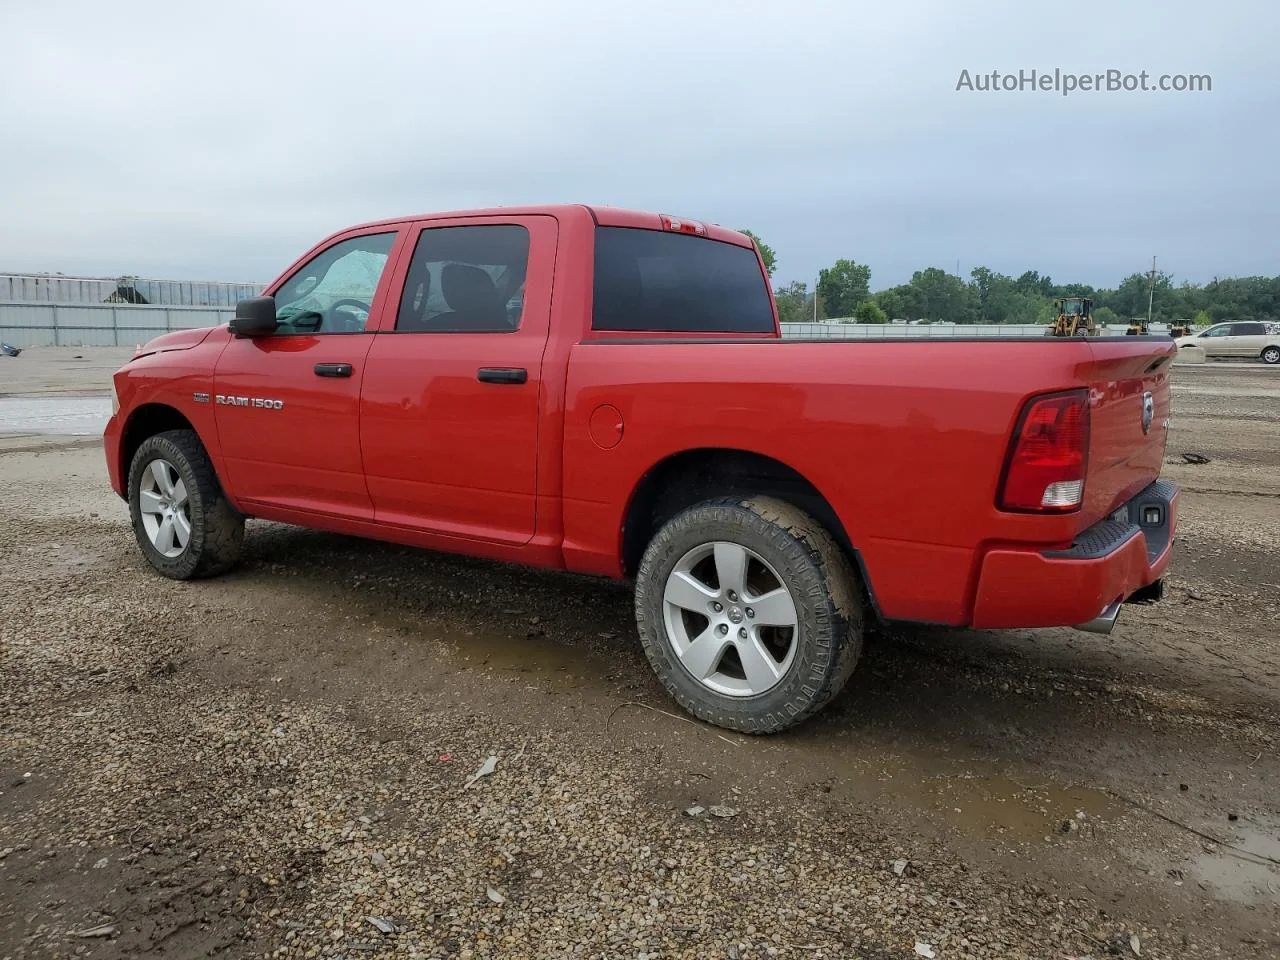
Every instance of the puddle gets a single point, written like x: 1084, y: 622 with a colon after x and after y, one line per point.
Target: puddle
x: 514, y: 654
x: 996, y: 805
x: 64, y: 416
x: 528, y: 652
x: 969, y: 795
x: 1237, y: 873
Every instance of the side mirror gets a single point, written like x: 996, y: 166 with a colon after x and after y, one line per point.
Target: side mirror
x: 255, y: 317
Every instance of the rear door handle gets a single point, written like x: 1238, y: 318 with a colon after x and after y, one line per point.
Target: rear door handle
x: 502, y: 375
x: 333, y: 369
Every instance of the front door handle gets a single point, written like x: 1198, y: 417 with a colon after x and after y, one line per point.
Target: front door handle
x: 502, y: 375
x: 333, y: 369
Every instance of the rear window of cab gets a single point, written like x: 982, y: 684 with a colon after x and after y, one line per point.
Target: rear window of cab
x: 658, y: 281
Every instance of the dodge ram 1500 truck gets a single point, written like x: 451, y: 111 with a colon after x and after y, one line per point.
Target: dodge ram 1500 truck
x: 607, y: 392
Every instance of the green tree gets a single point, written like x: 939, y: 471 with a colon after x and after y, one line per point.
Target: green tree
x: 1105, y: 315
x: 890, y: 301
x: 795, y: 305
x: 1129, y: 299
x: 843, y: 286
x: 946, y: 296
x: 766, y: 252
x: 868, y: 311
x: 982, y: 280
x: 1032, y: 283
x: 903, y: 302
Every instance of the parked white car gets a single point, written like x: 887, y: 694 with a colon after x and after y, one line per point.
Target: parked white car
x: 1242, y: 339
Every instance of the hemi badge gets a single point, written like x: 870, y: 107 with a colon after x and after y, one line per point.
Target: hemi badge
x: 200, y: 397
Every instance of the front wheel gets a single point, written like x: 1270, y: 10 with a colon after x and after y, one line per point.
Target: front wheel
x: 1271, y: 355
x: 181, y: 518
x: 749, y: 613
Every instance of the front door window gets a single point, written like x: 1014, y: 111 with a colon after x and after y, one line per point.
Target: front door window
x: 333, y: 291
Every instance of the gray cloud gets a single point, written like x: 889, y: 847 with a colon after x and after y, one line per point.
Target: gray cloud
x: 220, y: 142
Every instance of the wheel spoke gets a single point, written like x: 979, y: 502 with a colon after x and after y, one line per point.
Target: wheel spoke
x: 774, y: 609
x: 148, y: 501
x: 688, y: 593
x: 179, y: 493
x: 731, y: 567
x: 758, y: 664
x: 702, y: 656
x: 182, y: 527
x: 160, y: 471
x: 164, y: 536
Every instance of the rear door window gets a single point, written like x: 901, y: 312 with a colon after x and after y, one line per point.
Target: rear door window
x: 652, y: 280
x: 466, y: 280
x: 1248, y: 330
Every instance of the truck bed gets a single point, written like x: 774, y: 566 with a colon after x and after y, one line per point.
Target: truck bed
x: 906, y: 439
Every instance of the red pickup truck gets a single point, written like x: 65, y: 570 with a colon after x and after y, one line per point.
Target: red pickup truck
x: 607, y: 392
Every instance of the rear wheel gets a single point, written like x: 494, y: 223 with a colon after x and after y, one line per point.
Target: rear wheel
x: 1271, y: 355
x: 181, y: 518
x: 749, y: 613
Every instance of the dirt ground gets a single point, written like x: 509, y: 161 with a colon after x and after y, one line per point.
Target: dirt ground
x: 276, y: 762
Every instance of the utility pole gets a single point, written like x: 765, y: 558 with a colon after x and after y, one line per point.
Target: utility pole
x: 1151, y: 290
x: 815, y: 302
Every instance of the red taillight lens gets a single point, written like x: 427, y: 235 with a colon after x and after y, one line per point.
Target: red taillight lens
x: 675, y: 225
x: 1049, y: 455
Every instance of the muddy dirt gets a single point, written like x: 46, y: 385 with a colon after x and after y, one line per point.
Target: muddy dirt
x: 276, y: 762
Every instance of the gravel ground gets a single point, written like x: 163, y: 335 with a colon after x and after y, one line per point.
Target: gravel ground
x: 279, y: 762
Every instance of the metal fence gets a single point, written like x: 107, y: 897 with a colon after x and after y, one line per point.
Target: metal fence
x: 123, y: 324
x: 54, y: 288
x: 836, y: 330
x: 98, y: 324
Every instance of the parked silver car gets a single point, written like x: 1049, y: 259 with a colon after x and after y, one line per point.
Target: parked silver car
x: 1242, y: 338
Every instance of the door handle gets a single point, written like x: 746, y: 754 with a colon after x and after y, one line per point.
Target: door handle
x: 333, y: 369
x: 502, y: 375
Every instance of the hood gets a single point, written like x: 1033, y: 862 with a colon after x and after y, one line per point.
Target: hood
x: 177, y: 340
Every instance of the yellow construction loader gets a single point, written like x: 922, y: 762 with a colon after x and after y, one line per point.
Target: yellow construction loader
x: 1075, y: 318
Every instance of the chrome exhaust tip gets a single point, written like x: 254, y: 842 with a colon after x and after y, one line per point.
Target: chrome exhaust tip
x: 1104, y: 622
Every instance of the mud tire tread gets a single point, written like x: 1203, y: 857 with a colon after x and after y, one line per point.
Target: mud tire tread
x: 823, y: 583
x: 217, y: 528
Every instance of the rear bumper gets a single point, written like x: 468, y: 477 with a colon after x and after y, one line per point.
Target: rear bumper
x: 1083, y: 586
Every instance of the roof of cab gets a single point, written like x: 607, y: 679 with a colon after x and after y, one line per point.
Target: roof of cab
x: 603, y: 216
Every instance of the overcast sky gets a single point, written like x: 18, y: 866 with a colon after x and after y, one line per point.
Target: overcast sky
x: 219, y: 141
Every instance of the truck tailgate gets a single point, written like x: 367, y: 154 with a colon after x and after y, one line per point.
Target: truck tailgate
x: 1128, y: 382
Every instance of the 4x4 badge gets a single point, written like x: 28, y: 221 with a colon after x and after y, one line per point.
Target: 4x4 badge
x: 1148, y: 410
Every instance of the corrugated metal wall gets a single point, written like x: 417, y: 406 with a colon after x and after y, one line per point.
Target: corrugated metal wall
x: 43, y: 288
x: 99, y: 324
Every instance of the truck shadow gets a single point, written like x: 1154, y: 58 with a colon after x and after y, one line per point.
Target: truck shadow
x: 1017, y: 694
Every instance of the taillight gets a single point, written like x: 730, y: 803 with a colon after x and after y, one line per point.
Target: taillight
x: 1049, y: 455
x: 674, y: 225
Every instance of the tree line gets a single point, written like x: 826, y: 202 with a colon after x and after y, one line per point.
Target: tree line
x: 844, y: 292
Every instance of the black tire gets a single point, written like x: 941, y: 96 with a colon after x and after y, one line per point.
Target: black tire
x: 1271, y: 355
x: 823, y: 587
x: 217, y: 528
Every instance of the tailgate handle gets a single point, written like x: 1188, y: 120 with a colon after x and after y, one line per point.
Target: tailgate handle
x: 502, y: 374
x: 333, y: 369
